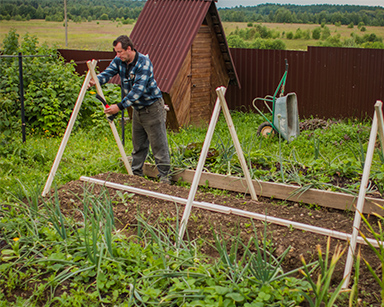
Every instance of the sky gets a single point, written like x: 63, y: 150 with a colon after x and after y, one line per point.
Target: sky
x: 233, y: 3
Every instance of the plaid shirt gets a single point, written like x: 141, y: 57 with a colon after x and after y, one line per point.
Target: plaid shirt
x: 137, y: 80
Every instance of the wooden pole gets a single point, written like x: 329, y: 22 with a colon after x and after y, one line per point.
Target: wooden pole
x: 66, y: 23
x: 228, y: 210
x: 199, y: 169
x: 91, y: 66
x: 220, y: 93
x: 220, y: 103
x: 67, y: 133
x: 360, y: 201
x: 379, y: 113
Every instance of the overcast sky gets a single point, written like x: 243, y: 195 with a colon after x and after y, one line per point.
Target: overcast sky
x: 233, y: 3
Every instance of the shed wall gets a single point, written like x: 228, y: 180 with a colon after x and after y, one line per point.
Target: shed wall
x: 180, y: 96
x: 201, y: 109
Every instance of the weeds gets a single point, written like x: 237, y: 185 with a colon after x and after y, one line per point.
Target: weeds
x: 379, y: 252
x: 97, y: 265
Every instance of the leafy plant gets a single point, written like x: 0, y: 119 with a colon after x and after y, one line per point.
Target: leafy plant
x: 51, y: 88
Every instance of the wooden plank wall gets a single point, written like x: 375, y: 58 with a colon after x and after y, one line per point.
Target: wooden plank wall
x: 201, y: 77
x: 179, y: 98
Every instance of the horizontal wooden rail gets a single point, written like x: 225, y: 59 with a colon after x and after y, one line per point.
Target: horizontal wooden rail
x: 335, y: 200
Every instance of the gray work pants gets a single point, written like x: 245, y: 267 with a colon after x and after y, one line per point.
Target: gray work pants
x: 148, y: 128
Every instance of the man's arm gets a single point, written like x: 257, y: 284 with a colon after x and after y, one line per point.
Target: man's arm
x: 107, y: 74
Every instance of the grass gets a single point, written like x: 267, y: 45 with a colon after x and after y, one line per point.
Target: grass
x: 98, y: 35
x: 94, y: 35
x: 86, y: 153
x: 316, y: 158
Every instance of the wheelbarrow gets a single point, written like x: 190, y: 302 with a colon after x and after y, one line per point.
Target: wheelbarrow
x: 285, y: 115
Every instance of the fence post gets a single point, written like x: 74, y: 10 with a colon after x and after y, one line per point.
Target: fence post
x: 22, y: 95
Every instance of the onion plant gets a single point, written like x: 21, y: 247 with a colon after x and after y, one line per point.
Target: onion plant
x: 321, y: 289
x: 379, y: 251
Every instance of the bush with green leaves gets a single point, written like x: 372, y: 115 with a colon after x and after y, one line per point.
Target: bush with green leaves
x: 51, y: 88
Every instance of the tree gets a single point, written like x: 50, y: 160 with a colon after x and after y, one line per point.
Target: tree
x: 104, y: 17
x: 235, y: 41
x: 316, y: 33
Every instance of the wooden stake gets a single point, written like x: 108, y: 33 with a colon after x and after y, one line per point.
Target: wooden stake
x: 67, y: 133
x: 220, y: 102
x: 379, y: 112
x: 360, y: 200
x: 91, y: 66
x: 199, y: 169
x: 220, y: 93
x: 91, y: 74
x: 228, y: 210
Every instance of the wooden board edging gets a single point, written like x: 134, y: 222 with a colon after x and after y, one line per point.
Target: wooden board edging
x: 335, y: 200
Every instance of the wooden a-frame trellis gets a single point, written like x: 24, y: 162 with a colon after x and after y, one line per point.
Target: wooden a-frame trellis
x: 91, y: 74
x: 377, y: 126
x: 220, y: 104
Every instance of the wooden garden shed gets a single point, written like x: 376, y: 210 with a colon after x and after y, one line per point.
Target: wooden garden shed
x: 186, y: 43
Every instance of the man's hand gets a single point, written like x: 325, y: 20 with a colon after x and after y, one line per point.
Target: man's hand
x: 113, y: 109
x: 91, y: 83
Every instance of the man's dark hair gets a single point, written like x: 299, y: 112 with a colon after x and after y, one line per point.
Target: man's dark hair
x: 125, y: 42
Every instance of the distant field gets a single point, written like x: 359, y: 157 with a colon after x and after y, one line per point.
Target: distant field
x: 94, y: 35
x: 301, y: 44
x: 98, y: 35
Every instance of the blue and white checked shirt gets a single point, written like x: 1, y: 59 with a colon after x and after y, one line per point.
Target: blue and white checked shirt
x: 139, y: 85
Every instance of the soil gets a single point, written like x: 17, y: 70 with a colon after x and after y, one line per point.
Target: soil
x: 202, y: 221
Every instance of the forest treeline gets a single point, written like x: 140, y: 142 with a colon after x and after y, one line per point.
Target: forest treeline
x: 82, y: 10
x: 306, y: 14
x: 77, y: 10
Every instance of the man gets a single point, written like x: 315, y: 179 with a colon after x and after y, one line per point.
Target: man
x: 142, y: 93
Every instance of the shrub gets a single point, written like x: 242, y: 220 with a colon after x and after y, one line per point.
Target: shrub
x: 361, y: 24
x: 298, y: 34
x: 104, y: 17
x: 290, y: 35
x: 51, y: 88
x: 326, y: 33
x: 316, y: 33
x: 234, y: 41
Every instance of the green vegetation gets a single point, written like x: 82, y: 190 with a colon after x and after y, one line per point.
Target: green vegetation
x: 260, y: 36
x: 49, y: 87
x: 306, y: 14
x: 330, y: 156
x: 327, y: 156
x: 57, y: 260
x: 84, y: 10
